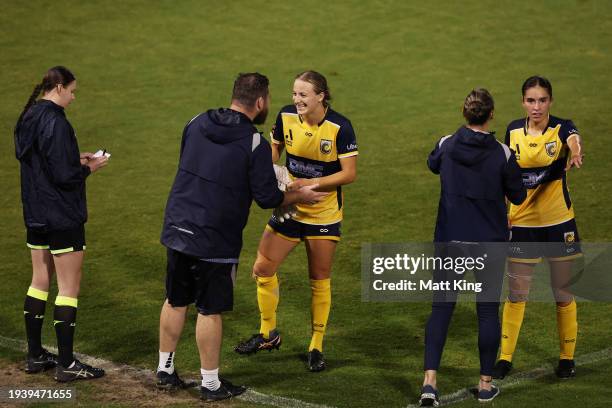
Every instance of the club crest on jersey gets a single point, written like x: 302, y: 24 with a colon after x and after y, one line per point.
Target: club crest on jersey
x: 551, y: 148
x: 326, y: 146
x: 569, y: 237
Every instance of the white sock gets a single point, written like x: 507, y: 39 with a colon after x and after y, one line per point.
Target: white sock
x: 166, y: 362
x: 210, y: 379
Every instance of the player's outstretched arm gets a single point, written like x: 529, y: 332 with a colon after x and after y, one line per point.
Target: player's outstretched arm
x: 576, y: 154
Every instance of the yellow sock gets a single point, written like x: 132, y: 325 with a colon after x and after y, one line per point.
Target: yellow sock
x: 511, y: 327
x: 321, y: 303
x: 267, y: 298
x: 567, y: 324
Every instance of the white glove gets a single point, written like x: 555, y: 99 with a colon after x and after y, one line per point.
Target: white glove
x: 284, y: 179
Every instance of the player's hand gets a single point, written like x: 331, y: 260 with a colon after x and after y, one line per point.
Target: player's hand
x: 299, y: 183
x: 85, y: 157
x: 308, y: 195
x: 574, y: 161
x: 96, y: 163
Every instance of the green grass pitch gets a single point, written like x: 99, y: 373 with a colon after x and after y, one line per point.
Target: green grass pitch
x: 399, y: 70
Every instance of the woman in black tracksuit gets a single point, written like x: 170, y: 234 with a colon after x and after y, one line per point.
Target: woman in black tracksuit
x: 53, y: 174
x: 477, y: 174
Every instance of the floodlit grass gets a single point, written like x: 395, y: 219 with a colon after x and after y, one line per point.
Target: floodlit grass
x: 399, y: 70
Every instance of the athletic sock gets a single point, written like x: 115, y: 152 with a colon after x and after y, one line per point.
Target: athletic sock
x: 210, y: 379
x: 267, y: 299
x: 34, y: 314
x: 511, y: 327
x: 320, y: 305
x: 567, y: 324
x: 166, y: 362
x: 64, y: 320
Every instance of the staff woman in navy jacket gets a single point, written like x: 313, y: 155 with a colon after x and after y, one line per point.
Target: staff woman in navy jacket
x: 477, y: 174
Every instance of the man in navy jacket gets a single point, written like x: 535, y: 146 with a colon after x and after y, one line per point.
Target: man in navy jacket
x: 225, y: 164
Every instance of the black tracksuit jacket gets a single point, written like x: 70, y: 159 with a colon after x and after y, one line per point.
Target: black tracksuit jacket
x: 476, y: 173
x: 224, y: 164
x: 52, y: 177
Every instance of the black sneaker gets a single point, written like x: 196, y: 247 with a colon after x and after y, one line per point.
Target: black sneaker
x: 225, y: 391
x: 316, y: 362
x: 429, y: 397
x: 257, y: 342
x: 501, y: 369
x: 78, y: 371
x: 45, y: 361
x: 488, y: 395
x: 172, y: 381
x: 566, y: 369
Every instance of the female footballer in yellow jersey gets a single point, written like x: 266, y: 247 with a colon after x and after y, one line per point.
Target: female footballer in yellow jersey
x: 546, y: 148
x: 321, y: 149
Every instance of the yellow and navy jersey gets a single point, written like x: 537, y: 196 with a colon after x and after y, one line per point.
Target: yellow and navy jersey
x: 313, y: 152
x: 542, y: 160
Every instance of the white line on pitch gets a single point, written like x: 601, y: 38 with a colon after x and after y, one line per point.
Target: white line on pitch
x: 249, y: 396
x: 520, y: 378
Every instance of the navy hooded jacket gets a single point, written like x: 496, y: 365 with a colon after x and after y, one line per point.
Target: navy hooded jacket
x: 476, y: 173
x: 52, y: 177
x: 224, y: 164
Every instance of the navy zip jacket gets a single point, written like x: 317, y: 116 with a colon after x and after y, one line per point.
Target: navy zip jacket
x: 52, y: 177
x: 476, y: 173
x: 224, y: 164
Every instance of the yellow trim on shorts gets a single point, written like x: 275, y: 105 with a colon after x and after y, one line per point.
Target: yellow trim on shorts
x: 38, y: 294
x: 66, y: 301
x: 37, y: 246
x: 526, y: 260
x: 62, y: 251
x: 328, y: 237
x: 566, y: 258
x: 275, y: 232
x: 66, y: 250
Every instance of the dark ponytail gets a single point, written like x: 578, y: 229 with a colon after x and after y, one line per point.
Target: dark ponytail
x: 31, y: 101
x: 58, y: 75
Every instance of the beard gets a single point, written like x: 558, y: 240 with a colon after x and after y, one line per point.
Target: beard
x: 260, y: 119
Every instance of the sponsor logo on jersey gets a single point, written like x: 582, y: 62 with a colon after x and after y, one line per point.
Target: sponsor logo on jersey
x: 535, y: 178
x: 351, y: 146
x: 533, y: 145
x: 569, y: 237
x: 308, y: 134
x: 297, y: 167
x: 551, y: 148
x: 326, y: 146
x: 323, y: 230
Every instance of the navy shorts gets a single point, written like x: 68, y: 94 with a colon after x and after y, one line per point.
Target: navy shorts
x: 296, y: 231
x: 559, y: 242
x: 209, y: 285
x: 58, y: 242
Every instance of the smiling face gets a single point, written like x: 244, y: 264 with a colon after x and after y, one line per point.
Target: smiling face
x: 536, y: 103
x: 65, y: 94
x: 305, y: 99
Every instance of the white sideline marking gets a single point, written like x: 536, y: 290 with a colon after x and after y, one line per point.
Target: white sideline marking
x: 250, y: 395
x: 519, y: 378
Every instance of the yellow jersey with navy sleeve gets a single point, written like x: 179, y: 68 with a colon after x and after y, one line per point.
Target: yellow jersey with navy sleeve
x: 542, y: 160
x: 315, y: 151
